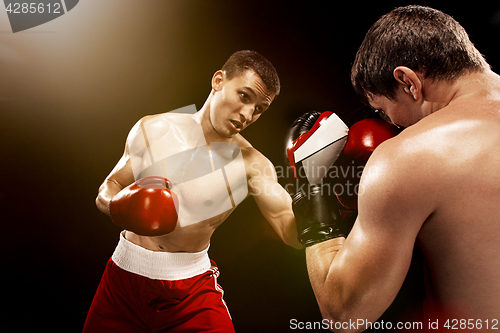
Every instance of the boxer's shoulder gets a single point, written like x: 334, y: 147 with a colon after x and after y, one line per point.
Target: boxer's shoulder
x: 256, y: 163
x: 252, y: 155
x: 150, y: 117
x: 241, y: 141
x: 408, y: 162
x: 455, y: 135
x: 437, y: 149
x: 247, y: 150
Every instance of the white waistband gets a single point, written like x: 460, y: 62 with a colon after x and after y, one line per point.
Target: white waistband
x: 159, y: 265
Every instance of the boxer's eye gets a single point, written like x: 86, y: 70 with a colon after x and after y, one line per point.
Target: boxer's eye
x: 383, y: 115
x: 244, y: 97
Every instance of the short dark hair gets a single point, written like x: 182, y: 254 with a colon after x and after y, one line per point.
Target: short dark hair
x: 242, y: 61
x: 420, y: 38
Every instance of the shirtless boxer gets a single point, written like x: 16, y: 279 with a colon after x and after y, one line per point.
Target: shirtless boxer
x: 436, y: 184
x: 162, y: 280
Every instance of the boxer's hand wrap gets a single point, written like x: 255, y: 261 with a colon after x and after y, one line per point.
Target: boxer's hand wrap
x: 317, y: 216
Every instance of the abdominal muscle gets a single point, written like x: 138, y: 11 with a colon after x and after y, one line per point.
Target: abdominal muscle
x: 191, y: 238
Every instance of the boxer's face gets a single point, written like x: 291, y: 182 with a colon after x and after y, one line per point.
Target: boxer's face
x: 400, y: 111
x: 238, y: 102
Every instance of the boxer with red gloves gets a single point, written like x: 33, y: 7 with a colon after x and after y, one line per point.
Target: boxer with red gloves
x: 160, y: 277
x: 316, y: 142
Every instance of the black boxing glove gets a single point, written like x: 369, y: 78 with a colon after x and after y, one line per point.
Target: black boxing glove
x: 317, y: 216
x: 315, y: 141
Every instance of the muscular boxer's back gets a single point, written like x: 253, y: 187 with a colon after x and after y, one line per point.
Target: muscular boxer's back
x: 460, y: 238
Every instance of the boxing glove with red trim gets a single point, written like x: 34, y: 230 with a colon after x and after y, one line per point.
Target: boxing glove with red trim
x: 146, y: 207
x: 315, y: 142
x: 364, y: 136
x: 325, y: 210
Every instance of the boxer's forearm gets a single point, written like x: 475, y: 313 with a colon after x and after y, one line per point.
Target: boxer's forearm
x: 120, y: 177
x: 285, y: 227
x: 320, y: 265
x: 280, y: 215
x: 290, y: 237
x: 276, y: 206
x: 107, y: 190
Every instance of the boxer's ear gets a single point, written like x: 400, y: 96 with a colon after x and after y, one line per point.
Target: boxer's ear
x: 218, y: 79
x: 409, y: 81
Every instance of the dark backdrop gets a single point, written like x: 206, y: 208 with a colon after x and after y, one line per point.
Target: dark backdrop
x: 71, y: 89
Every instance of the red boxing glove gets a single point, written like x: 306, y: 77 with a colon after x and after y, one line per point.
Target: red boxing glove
x: 364, y: 136
x: 146, y: 207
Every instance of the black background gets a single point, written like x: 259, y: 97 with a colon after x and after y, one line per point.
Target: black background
x: 71, y: 89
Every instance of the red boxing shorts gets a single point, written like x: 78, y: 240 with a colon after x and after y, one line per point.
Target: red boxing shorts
x: 150, y: 291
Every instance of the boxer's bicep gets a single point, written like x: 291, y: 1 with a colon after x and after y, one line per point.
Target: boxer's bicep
x: 366, y: 273
x: 120, y: 176
x: 393, y: 203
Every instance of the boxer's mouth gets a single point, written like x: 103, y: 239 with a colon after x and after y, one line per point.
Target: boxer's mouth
x: 237, y: 124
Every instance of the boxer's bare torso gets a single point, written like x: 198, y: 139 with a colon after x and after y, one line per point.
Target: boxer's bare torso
x: 262, y: 185
x: 196, y: 237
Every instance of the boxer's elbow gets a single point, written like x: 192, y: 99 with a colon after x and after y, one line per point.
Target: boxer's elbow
x: 340, y: 313
x: 290, y: 236
x: 102, y: 204
x: 102, y: 199
x: 293, y: 242
x: 340, y: 322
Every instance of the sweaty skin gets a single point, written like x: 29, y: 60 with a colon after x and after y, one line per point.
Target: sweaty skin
x: 231, y: 107
x: 436, y: 184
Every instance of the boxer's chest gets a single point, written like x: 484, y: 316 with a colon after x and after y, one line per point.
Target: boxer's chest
x: 209, y: 179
